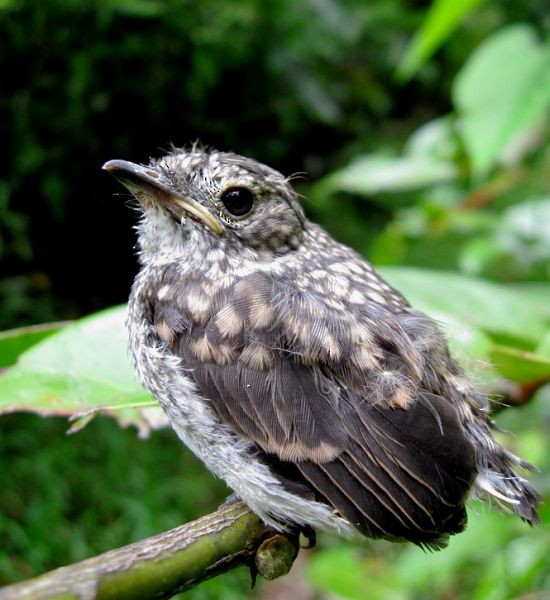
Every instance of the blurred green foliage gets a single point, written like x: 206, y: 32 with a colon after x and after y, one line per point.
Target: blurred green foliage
x: 304, y: 86
x: 424, y: 133
x: 63, y: 499
x: 470, y: 188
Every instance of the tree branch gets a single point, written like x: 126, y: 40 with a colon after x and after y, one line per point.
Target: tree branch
x: 168, y: 563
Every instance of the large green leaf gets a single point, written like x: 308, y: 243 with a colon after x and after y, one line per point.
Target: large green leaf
x: 486, y: 323
x: 495, y: 309
x: 84, y: 366
x: 16, y: 341
x: 520, y: 365
x: 373, y: 174
x: 535, y: 293
x: 502, y: 92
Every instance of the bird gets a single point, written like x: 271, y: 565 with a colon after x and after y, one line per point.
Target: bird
x: 293, y: 370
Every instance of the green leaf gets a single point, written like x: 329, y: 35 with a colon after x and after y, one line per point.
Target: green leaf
x: 502, y: 92
x: 477, y: 253
x: 494, y: 309
x: 373, y: 174
x: 543, y: 349
x: 436, y: 138
x: 536, y: 294
x: 524, y: 230
x: 442, y: 18
x: 83, y: 367
x: 14, y: 341
x: 520, y: 365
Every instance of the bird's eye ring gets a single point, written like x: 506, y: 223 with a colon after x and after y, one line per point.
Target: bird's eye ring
x: 238, y: 201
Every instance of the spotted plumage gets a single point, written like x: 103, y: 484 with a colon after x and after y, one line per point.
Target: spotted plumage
x: 293, y: 370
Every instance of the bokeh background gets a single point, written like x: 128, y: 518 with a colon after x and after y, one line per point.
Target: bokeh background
x: 423, y: 132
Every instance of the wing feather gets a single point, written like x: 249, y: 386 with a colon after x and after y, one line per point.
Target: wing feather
x: 340, y: 412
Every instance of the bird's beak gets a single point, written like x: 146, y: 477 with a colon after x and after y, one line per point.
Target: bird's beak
x: 145, y: 183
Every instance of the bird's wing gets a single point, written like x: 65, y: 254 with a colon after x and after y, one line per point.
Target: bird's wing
x: 350, y: 421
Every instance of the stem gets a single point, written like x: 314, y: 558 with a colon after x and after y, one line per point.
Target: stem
x: 168, y: 563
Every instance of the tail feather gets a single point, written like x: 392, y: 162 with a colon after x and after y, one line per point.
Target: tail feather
x: 512, y: 493
x: 497, y: 478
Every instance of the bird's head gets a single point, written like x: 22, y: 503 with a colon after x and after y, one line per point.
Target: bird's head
x: 199, y: 200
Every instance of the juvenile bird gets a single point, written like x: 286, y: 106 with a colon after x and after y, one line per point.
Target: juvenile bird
x: 293, y: 370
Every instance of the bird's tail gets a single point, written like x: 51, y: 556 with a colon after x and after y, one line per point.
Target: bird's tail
x: 497, y: 481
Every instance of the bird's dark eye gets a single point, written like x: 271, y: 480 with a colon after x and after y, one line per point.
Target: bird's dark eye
x: 238, y: 201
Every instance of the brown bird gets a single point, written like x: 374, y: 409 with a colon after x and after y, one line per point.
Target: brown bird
x: 293, y: 370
